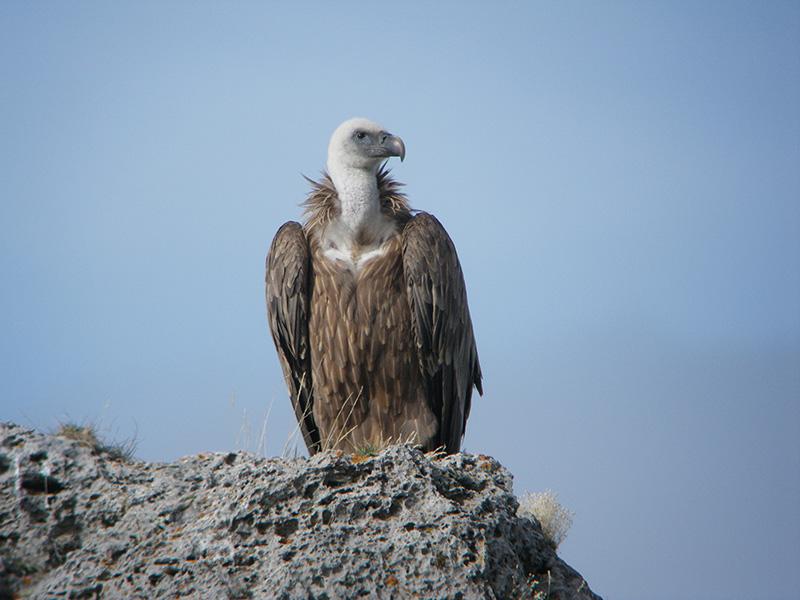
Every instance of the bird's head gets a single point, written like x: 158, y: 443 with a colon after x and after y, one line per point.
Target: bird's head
x: 362, y: 144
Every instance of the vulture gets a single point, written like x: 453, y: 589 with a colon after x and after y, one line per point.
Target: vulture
x: 368, y: 310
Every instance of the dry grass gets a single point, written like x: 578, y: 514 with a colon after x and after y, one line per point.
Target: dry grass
x: 548, y: 511
x: 87, y: 435
x: 339, y: 433
x: 339, y: 437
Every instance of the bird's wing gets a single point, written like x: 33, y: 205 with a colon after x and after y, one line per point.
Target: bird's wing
x: 287, y: 279
x: 442, y: 325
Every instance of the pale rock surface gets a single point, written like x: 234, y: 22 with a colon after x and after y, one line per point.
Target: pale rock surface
x: 75, y: 523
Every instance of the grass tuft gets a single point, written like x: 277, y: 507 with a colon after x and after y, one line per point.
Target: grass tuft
x: 86, y: 435
x: 554, y: 519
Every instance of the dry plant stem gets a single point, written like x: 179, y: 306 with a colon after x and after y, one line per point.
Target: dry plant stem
x: 296, y: 429
x: 262, y: 438
x: 342, y: 435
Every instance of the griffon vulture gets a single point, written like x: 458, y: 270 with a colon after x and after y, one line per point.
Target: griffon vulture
x: 368, y: 309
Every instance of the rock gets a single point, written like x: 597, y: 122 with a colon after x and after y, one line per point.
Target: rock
x: 78, y: 523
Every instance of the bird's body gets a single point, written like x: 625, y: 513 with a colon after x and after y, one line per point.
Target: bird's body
x: 368, y: 311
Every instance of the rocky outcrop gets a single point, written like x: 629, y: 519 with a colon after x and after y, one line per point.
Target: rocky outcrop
x: 76, y: 522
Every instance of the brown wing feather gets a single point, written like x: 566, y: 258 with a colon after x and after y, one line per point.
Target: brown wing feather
x: 442, y: 325
x: 287, y: 291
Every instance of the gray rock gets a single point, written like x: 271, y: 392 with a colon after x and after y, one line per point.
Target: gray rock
x: 77, y: 523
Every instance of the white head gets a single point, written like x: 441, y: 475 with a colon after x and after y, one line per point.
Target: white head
x: 355, y: 153
x: 362, y: 144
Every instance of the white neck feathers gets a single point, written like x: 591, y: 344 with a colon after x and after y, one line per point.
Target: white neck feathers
x: 357, y: 189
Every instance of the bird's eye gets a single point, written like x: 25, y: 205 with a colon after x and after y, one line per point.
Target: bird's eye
x: 361, y: 135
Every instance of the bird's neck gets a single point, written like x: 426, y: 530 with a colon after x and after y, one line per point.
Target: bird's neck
x: 359, y: 199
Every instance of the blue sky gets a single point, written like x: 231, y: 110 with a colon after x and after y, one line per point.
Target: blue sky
x: 621, y: 180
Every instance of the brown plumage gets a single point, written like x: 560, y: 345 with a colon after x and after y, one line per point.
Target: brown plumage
x: 379, y: 347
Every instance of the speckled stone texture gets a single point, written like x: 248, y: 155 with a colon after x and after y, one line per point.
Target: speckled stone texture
x: 402, y: 524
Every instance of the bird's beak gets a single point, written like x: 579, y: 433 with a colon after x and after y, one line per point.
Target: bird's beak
x: 394, y: 146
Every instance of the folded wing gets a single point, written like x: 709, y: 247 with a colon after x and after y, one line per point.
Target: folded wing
x: 287, y: 291
x: 446, y: 345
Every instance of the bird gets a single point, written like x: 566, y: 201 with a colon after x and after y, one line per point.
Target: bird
x: 367, y: 307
